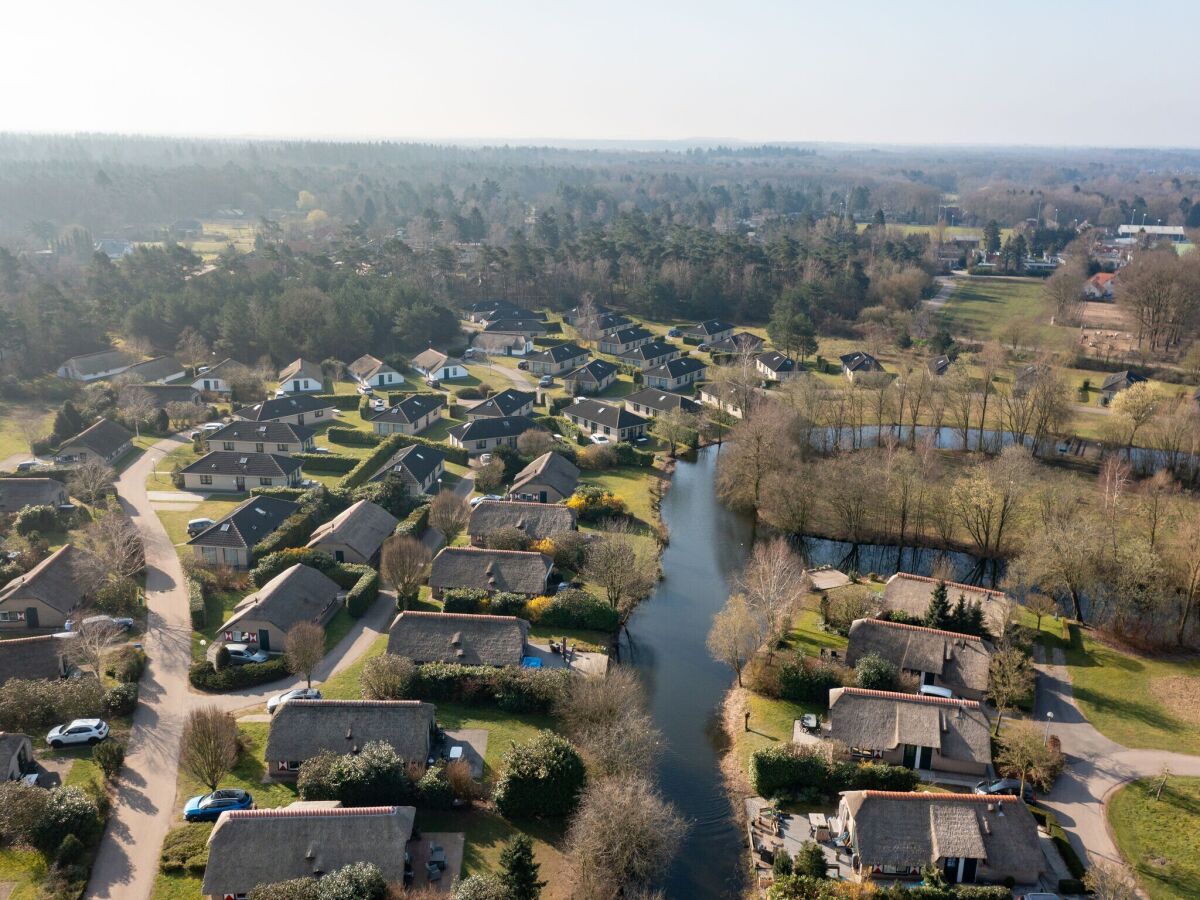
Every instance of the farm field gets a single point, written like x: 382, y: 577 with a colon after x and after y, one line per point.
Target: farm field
x: 990, y: 308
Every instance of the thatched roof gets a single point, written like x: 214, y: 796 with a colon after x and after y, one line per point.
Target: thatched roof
x: 262, y: 846
x: 368, y: 366
x: 430, y: 360
x: 458, y: 638
x: 910, y: 594
x: 298, y: 594
x: 913, y: 829
x: 17, y: 493
x: 885, y: 720
x: 538, y: 520
x: 301, y: 729
x: 34, y: 657
x: 550, y: 468
x: 490, y: 570
x: 363, y: 527
x: 58, y: 581
x: 104, y: 438
x: 960, y: 659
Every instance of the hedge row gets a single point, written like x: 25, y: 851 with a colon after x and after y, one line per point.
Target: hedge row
x: 373, y: 461
x: 196, y: 604
x: 294, y: 494
x: 326, y: 462
x: 363, y: 594
x: 1058, y: 836
x: 512, y: 689
x: 340, y: 434
x: 415, y: 523
x: 790, y: 768
x: 806, y: 887
x: 344, y: 402
x: 204, y: 677
x: 298, y: 527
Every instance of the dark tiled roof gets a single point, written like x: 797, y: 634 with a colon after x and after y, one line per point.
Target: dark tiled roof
x: 520, y: 325
x: 661, y: 400
x: 248, y: 524
x: 103, y: 438
x: 261, y: 432
x: 233, y: 462
x: 602, y: 413
x: 558, y: 353
x: 743, y: 340
x: 1121, y: 380
x: 777, y: 362
x: 278, y: 407
x: 676, y: 368
x: 505, y: 403
x: 417, y: 459
x: 653, y: 350
x: 858, y: 361
x: 411, y: 409
x: 155, y: 369
x: 706, y: 328
x: 494, y: 427
x: 490, y: 570
x: 458, y: 638
x: 162, y: 394
x: 593, y: 372
x: 626, y: 335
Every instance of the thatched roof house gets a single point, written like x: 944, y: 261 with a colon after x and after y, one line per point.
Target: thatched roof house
x: 49, y: 593
x: 515, y: 571
x: 956, y: 661
x: 548, y: 479
x: 910, y: 594
x: 43, y: 656
x: 470, y: 640
x: 355, y: 534
x: 536, y: 520
x: 300, y: 729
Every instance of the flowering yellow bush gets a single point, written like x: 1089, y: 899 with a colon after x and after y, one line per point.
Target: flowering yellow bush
x: 592, y: 503
x: 536, y: 607
x: 545, y: 545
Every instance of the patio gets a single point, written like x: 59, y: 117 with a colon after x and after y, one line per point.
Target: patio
x: 790, y: 831
x: 470, y: 744
x: 578, y: 661
x: 446, y: 846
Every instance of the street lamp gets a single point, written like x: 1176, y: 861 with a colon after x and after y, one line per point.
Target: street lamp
x: 1046, y: 737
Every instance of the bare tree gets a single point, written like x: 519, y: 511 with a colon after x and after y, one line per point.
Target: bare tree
x: 1041, y: 605
x: 1106, y: 880
x: 183, y: 414
x: 137, y: 406
x: 91, y: 644
x: 449, y: 514
x: 773, y: 582
x: 91, y: 480
x: 759, y: 443
x: 31, y: 430
x: 387, y: 677
x: 193, y: 350
x: 1134, y: 408
x: 535, y: 442
x: 1010, y: 678
x: 737, y: 631
x: 304, y: 648
x: 624, y: 565
x: 208, y: 748
x: 606, y: 719
x: 1025, y: 754
x: 587, y: 322
x: 404, y: 562
x: 115, y: 545
x: 675, y: 427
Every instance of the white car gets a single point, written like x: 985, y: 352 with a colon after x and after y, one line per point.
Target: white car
x: 212, y: 426
x: 600, y: 439
x: 475, y: 501
x: 79, y: 731
x: 298, y: 694
x: 241, y: 654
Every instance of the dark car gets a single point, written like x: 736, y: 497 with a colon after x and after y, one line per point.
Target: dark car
x: 523, y: 365
x: 208, y: 807
x: 1007, y: 787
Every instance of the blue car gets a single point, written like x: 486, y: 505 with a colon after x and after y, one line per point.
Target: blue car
x: 207, y: 807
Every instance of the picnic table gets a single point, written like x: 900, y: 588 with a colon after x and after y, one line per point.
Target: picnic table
x: 809, y: 722
x: 818, y: 826
x: 456, y: 751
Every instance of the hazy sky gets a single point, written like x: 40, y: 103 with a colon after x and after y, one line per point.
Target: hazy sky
x: 1101, y: 73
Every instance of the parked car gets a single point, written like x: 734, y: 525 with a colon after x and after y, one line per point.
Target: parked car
x: 321, y: 450
x: 123, y: 623
x: 485, y: 458
x: 241, y: 654
x: 29, y: 465
x: 366, y: 390
x: 523, y: 365
x: 296, y: 694
x: 673, y: 332
x: 704, y: 348
x: 195, y: 526
x: 1008, y: 787
x: 196, y: 435
x: 432, y: 382
x: 600, y: 439
x: 212, y: 426
x: 77, y: 731
x: 309, y: 483
x: 546, y: 381
x: 475, y: 501
x: 208, y: 807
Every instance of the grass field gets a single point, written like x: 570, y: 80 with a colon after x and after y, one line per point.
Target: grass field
x: 632, y: 485
x: 12, y: 417
x: 24, y: 870
x: 1160, y: 837
x: 983, y: 308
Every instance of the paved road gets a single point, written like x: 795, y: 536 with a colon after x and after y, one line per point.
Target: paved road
x: 1096, y: 766
x: 946, y: 288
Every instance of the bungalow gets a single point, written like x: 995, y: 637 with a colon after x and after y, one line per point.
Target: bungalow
x: 158, y: 370
x: 508, y: 402
x: 610, y: 323
x: 859, y: 363
x: 418, y: 466
x: 708, y: 332
x: 371, y: 372
x: 577, y: 314
x: 1100, y: 286
x: 302, y: 729
x: 597, y: 417
x: 528, y: 328
x: 94, y: 366
x: 590, y: 378
x: 16, y: 756
x: 723, y: 398
x: 1117, y: 382
x: 534, y: 520
x: 263, y: 619
x: 676, y: 374
x: 161, y: 395
x: 626, y: 339
x: 508, y: 312
x: 114, y: 248
x: 42, y: 656
x: 649, y: 355
x: 301, y: 377
x: 292, y: 410
x: 262, y: 437
x: 651, y: 403
x: 18, y: 493
x: 462, y: 638
x: 512, y: 571
x: 939, y: 365
x: 969, y: 837
x: 557, y: 359
x: 218, y: 379
x: 355, y: 534
x: 104, y: 440
x: 551, y: 478
x: 742, y: 342
x: 250, y: 847
x: 489, y: 433
x: 485, y: 309
x: 412, y: 415
x: 958, y: 662
x: 775, y: 366
x: 48, y: 594
x: 223, y: 470
x: 502, y: 343
x: 437, y: 366
x: 910, y: 594
x: 231, y: 541
x: 912, y: 730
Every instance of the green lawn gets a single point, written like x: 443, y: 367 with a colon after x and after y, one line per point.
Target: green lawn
x: 345, y: 684
x: 632, y: 485
x: 218, y: 607
x: 12, y: 417
x: 24, y: 870
x: 160, y: 478
x: 486, y: 834
x: 983, y: 307
x: 175, y: 520
x: 808, y: 636
x: 1160, y: 838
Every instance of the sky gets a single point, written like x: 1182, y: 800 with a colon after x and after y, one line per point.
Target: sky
x: 1040, y: 73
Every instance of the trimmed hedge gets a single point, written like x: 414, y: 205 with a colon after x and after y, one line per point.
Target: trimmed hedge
x: 196, y: 606
x: 294, y: 494
x: 807, y: 681
x: 326, y: 462
x: 578, y: 609
x: 385, y: 450
x: 204, y: 677
x: 273, y: 563
x: 1058, y: 836
x: 363, y: 594
x: 316, y: 505
x: 513, y: 690
x: 340, y: 434
x: 360, y: 581
x: 787, y: 768
x: 415, y: 523
x: 344, y: 402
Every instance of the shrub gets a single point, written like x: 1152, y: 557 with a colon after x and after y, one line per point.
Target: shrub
x: 1070, y: 886
x: 415, y: 523
x: 566, y: 549
x: 196, y: 607
x: 363, y: 594
x: 434, y: 791
x: 121, y: 699
x: 592, y: 503
x: 126, y: 664
x: 596, y: 457
x: 35, y: 518
x: 807, y: 681
x: 339, y: 434
x: 542, y: 778
x: 469, y: 393
x: 389, y: 492
x: 69, y: 811
x: 356, y: 881
x: 185, y: 849
x: 326, y: 462
x: 464, y: 600
x: 508, y: 537
x: 32, y: 705
x: 21, y: 807
x: 787, y: 767
x: 875, y: 673
x: 70, y: 851
x: 375, y: 775
x: 506, y: 604
x: 204, y: 677
x: 343, y: 402
x: 481, y: 887
x: 578, y: 609
x: 513, y: 689
x: 1059, y: 838
x: 117, y: 597
x: 294, y: 494
x: 271, y: 565
x: 387, y: 677
x: 109, y: 756
x: 882, y: 777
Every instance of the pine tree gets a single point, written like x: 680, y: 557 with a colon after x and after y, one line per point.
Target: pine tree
x: 520, y: 871
x: 973, y: 622
x: 810, y: 860
x: 958, y: 618
x: 67, y: 423
x: 938, y: 614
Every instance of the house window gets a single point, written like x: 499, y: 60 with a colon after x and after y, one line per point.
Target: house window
x: 206, y: 479
x: 12, y: 616
x: 209, y: 554
x: 228, y: 445
x: 282, y: 448
x: 319, y: 414
x: 265, y: 482
x: 481, y: 445
x: 259, y: 448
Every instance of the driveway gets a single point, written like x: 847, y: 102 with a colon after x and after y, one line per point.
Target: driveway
x: 519, y: 379
x: 1096, y: 766
x: 946, y: 288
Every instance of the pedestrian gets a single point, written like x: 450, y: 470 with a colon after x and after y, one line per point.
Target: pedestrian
x: 747, y: 720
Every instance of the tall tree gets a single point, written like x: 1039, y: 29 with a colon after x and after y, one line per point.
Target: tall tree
x: 737, y: 631
x: 208, y: 745
x: 519, y: 871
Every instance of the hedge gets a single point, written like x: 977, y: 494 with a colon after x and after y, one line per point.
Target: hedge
x: 326, y: 462
x: 294, y: 494
x: 35, y: 518
x: 316, y: 505
x: 631, y: 456
x: 1058, y: 836
x: 787, y: 768
x: 806, y: 887
x: 204, y: 677
x: 185, y: 849
x: 273, y: 563
x: 578, y: 609
x: 196, y: 604
x: 385, y: 450
x: 512, y: 689
x: 415, y: 523
x: 340, y: 434
x: 363, y: 594
x: 344, y: 402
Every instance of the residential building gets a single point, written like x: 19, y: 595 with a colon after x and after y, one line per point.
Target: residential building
x: 859, y: 363
x: 293, y: 410
x: 528, y: 328
x: 626, y: 339
x: 94, y: 366
x: 224, y: 470
x: 508, y: 312
x: 159, y: 370
x: 161, y: 395
x: 231, y: 541
x: 577, y: 314
x: 551, y: 478
x: 1117, y: 382
x: 722, y: 398
x: 1100, y: 286
x: 48, y: 594
x: 490, y: 432
x: 218, y: 379
x: 651, y: 403
x: 469, y: 640
x: 502, y: 343
x: 534, y: 520
x: 16, y: 756
x: 938, y: 366
x: 494, y: 571
x: 301, y: 377
x: 508, y: 402
x: 412, y: 415
x: 610, y: 323
x: 742, y: 342
x: 372, y: 372
x: 648, y: 355
x: 957, y: 662
x: 114, y: 248
x: 302, y: 729
x: 708, y: 332
x: 913, y: 730
x: 676, y: 374
x: 297, y: 594
x: 437, y: 366
x: 280, y: 438
x: 420, y: 468
x: 250, y: 847
x: 969, y: 837
x: 1173, y: 233
x: 557, y: 360
x: 774, y: 365
x: 41, y: 656
x: 590, y: 378
x: 493, y: 309
x: 104, y: 440
x: 597, y: 417
x: 17, y: 493
x: 356, y: 533
x: 910, y: 594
